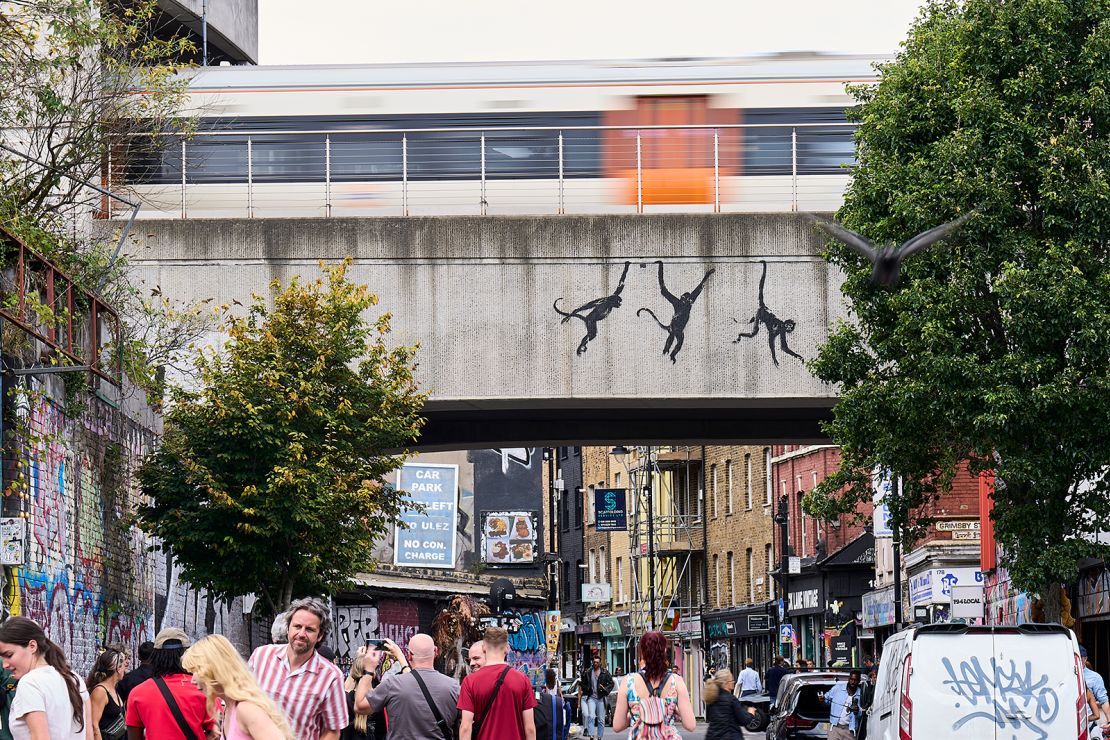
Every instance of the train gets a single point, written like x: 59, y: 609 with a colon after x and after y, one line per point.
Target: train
x: 759, y: 133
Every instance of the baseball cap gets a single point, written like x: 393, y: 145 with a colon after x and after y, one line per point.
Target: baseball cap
x: 1082, y: 652
x: 171, y: 638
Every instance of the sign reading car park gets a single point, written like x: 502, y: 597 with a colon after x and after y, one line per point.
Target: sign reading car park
x: 426, y: 539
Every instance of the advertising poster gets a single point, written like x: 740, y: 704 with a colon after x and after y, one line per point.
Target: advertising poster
x: 553, y: 624
x: 13, y: 534
x: 611, y: 509
x: 426, y: 539
x: 509, y: 537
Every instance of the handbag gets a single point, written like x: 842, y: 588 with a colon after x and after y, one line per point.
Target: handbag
x: 118, y: 729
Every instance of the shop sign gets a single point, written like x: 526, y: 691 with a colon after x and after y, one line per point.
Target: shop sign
x: 883, y: 486
x: 426, y: 539
x: 807, y: 600
x: 588, y: 629
x: 759, y: 622
x: 611, y: 626
x: 934, y: 586
x: 967, y: 602
x: 595, y: 593
x: 878, y: 608
x: 718, y: 630
x: 509, y: 537
x: 554, y: 620
x: 793, y: 565
x: 610, y: 506
x: 841, y: 648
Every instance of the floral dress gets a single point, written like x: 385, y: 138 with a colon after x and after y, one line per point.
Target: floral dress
x: 669, y: 694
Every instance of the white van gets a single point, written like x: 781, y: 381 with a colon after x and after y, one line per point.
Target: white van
x: 982, y: 682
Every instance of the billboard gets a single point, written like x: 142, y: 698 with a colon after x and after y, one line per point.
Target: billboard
x: 426, y: 539
x: 611, y: 509
x: 509, y: 537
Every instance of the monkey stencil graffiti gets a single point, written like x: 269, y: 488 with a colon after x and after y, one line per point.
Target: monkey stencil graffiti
x: 676, y: 329
x: 777, y: 328
x: 591, y: 312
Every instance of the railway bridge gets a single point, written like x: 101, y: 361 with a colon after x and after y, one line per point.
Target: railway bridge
x: 561, y: 329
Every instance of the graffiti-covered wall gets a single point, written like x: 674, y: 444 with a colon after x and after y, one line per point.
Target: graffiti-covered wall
x: 86, y: 576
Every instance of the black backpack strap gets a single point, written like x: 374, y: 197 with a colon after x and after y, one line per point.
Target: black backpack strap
x: 175, y: 710
x: 492, y: 699
x: 441, y: 723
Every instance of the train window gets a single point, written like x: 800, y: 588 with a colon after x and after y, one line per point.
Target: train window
x: 292, y: 159
x: 214, y: 159
x: 357, y: 157
x: 820, y: 150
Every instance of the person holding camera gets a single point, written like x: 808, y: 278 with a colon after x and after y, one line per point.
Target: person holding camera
x: 844, y: 712
x: 419, y: 701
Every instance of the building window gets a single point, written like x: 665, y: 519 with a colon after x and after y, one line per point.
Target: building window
x: 748, y: 482
x: 602, y: 566
x: 580, y: 578
x: 593, y: 566
x: 567, y: 589
x: 802, y: 519
x: 767, y: 472
x: 564, y: 518
x: 751, y: 577
x: 713, y: 487
x: 590, y: 505
x: 620, y: 581
x: 731, y: 579
x: 728, y: 484
x: 579, y: 495
x: 770, y: 557
x: 717, y: 578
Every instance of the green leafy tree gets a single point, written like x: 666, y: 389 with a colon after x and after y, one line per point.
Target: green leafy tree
x: 270, y: 476
x: 994, y: 348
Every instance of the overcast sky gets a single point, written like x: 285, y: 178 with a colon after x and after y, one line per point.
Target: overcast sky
x: 364, y: 31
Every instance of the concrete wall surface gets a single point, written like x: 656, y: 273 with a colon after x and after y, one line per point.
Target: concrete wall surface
x: 232, y: 24
x: 480, y: 295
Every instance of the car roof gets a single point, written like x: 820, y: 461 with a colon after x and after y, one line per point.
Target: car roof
x: 815, y: 677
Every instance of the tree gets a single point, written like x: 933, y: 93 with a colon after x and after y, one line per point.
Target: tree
x: 994, y: 348
x: 270, y: 476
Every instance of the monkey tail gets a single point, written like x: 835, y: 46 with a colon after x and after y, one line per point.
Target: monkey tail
x: 566, y: 316
x: 662, y: 326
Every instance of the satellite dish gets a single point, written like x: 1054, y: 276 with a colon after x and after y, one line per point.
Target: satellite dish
x: 502, y: 594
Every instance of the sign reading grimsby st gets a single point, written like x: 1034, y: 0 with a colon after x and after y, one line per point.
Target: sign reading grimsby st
x: 428, y: 538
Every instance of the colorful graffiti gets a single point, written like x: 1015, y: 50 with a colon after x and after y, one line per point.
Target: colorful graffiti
x: 528, y: 644
x: 87, y: 579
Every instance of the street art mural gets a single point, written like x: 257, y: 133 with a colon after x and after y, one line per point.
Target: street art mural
x: 592, y: 312
x: 776, y: 328
x: 87, y: 579
x: 528, y: 644
x: 680, y: 313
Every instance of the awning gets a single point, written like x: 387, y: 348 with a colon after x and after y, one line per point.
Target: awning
x: 445, y: 587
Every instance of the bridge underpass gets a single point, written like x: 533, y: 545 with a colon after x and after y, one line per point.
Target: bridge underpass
x: 560, y: 330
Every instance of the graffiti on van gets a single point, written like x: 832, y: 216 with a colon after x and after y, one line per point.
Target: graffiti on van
x: 1005, y: 695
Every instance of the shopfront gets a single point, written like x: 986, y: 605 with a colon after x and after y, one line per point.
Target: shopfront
x: 931, y: 590
x: 1092, y: 611
x: 877, y: 622
x: 805, y: 609
x: 589, y: 642
x: 620, y: 653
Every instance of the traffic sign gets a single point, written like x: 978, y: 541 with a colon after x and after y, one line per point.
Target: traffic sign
x: 786, y: 633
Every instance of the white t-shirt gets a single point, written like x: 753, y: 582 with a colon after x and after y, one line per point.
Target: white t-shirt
x: 44, y: 690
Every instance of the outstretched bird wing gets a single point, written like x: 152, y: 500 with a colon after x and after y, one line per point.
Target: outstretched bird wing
x: 932, y: 236
x: 857, y: 242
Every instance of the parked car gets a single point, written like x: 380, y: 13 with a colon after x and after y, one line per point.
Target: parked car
x: 988, y: 682
x: 757, y: 707
x: 800, y: 710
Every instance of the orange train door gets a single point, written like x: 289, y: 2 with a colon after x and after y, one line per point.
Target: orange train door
x: 676, y: 165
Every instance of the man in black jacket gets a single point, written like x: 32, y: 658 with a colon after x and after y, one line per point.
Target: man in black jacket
x: 593, y: 690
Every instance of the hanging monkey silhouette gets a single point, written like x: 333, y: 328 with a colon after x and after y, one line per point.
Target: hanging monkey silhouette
x: 676, y: 330
x: 592, y: 312
x: 777, y: 329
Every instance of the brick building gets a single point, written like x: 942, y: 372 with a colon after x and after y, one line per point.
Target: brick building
x: 740, y: 551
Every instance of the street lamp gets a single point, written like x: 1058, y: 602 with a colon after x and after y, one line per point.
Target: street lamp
x: 621, y: 454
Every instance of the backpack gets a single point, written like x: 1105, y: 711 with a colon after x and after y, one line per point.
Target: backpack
x: 653, y: 713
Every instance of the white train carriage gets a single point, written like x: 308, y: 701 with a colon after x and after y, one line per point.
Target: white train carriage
x: 758, y: 134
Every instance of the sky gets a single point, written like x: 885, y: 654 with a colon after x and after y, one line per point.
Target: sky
x: 369, y: 31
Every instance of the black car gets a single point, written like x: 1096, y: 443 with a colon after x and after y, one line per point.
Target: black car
x: 800, y: 710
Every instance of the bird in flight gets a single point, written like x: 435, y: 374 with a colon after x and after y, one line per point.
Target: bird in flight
x: 886, y: 262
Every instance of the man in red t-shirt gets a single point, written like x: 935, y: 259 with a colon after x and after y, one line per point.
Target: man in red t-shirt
x: 148, y: 712
x: 506, y: 716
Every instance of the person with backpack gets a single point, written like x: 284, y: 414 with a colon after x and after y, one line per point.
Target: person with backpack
x: 552, y: 713
x: 650, y: 701
x: 723, y: 711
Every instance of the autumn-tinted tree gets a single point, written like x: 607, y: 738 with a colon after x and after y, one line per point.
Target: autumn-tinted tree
x: 996, y: 347
x: 270, y: 476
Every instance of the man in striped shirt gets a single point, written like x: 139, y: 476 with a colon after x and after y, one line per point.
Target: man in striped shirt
x: 307, y: 687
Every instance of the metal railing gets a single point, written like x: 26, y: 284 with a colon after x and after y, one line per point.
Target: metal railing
x: 488, y: 171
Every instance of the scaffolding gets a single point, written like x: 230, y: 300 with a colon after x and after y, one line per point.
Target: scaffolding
x: 666, y: 536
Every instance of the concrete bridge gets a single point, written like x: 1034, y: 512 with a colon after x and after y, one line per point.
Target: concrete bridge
x: 561, y: 330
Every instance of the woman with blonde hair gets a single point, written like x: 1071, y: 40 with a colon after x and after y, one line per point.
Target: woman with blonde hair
x: 361, y: 726
x: 723, y: 710
x: 221, y: 672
